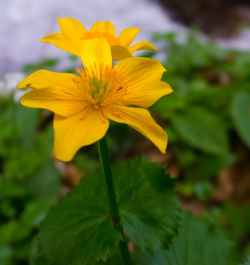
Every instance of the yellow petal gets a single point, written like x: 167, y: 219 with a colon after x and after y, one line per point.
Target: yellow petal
x: 142, y: 121
x: 71, y: 28
x: 45, y: 78
x: 105, y: 27
x: 77, y: 131
x: 143, y: 45
x: 96, y: 56
x: 141, y: 78
x: 53, y: 91
x: 62, y: 42
x: 65, y: 102
x: 146, y: 97
x: 127, y: 36
x: 119, y: 52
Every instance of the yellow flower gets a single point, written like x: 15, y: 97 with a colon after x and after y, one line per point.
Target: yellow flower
x: 73, y: 32
x: 83, y: 104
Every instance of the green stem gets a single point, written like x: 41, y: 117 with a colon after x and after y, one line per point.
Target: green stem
x: 114, y: 209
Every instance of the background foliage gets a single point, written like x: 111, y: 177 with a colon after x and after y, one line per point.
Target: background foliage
x: 207, y: 172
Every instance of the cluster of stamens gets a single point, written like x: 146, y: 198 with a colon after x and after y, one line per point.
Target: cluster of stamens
x: 101, y: 88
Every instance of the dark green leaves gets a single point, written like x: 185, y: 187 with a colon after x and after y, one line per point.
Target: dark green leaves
x: 80, y: 231
x: 201, y: 129
x: 197, y: 244
x: 241, y: 115
x: 147, y: 201
x: 29, y: 181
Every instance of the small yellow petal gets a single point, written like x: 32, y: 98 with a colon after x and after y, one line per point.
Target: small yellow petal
x: 71, y: 28
x: 141, y: 120
x: 77, y: 131
x: 143, y: 45
x: 105, y: 27
x: 62, y: 42
x: 65, y: 102
x: 127, y: 36
x: 119, y: 53
x: 96, y: 56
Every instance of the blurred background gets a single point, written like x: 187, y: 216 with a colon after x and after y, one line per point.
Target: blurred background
x: 205, y: 46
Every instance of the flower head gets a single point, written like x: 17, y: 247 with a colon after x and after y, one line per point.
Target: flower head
x: 83, y: 104
x: 73, y: 32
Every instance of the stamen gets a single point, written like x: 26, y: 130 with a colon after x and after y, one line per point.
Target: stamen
x: 115, y: 113
x: 85, y: 115
x: 101, y: 86
x: 103, y: 116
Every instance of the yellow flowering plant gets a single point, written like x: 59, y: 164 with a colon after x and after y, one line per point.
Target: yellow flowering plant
x: 73, y: 32
x: 83, y: 105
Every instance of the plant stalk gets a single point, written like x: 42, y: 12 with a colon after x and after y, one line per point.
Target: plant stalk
x: 114, y: 209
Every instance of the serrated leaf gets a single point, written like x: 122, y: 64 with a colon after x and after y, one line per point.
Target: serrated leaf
x: 79, y: 230
x: 148, y: 204
x: 196, y: 244
x: 201, y: 129
x: 241, y: 115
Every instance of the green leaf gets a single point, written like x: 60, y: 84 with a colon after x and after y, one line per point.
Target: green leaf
x: 237, y: 217
x: 34, y: 213
x: 35, y: 256
x: 204, y: 190
x: 247, y: 261
x: 5, y: 255
x: 79, y: 229
x: 9, y: 189
x: 11, y: 233
x: 27, y: 130
x: 197, y: 244
x: 45, y: 183
x: 201, y: 129
x: 241, y: 115
x: 149, y: 207
x: 204, y: 166
x: 46, y: 63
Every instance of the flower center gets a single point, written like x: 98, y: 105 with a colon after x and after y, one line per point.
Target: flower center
x: 103, y: 90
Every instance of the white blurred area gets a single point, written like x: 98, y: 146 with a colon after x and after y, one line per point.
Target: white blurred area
x: 8, y: 84
x: 24, y: 22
